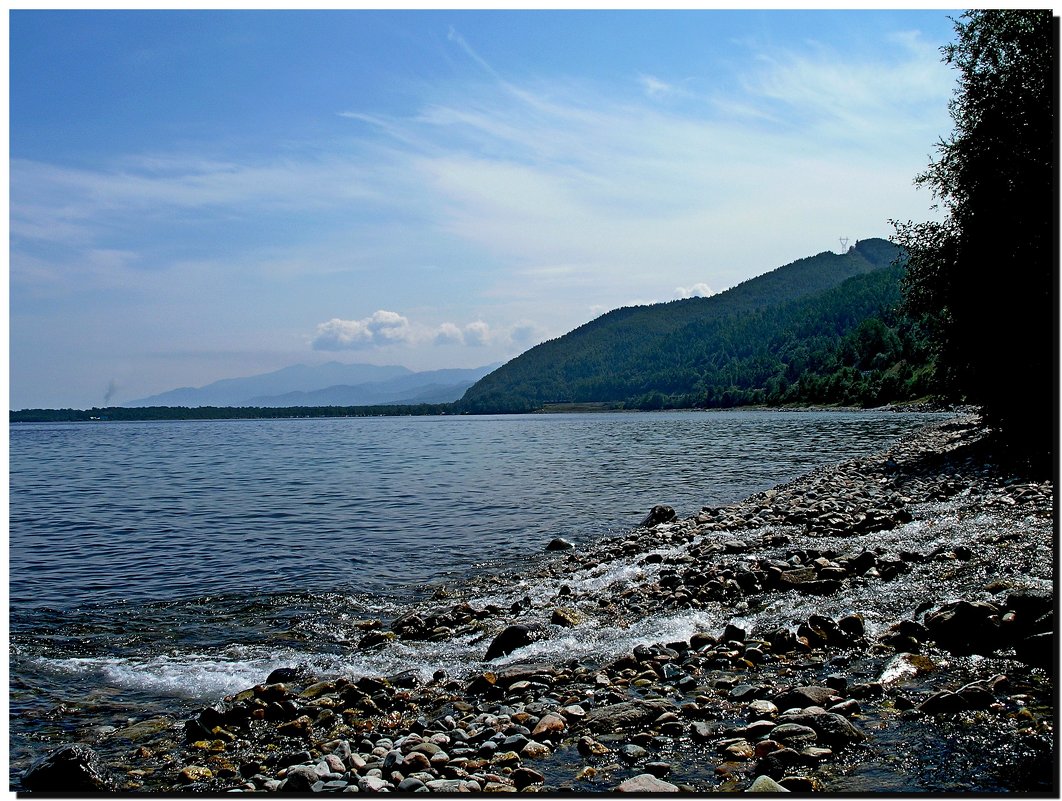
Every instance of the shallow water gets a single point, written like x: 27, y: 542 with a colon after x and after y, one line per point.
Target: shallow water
x: 155, y: 567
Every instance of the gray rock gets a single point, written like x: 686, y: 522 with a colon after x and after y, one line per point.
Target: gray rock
x: 794, y: 735
x: 626, y: 714
x: 373, y: 784
x: 765, y: 784
x: 832, y: 729
x: 805, y: 696
x: 646, y: 783
x: 632, y: 752
x: 73, y: 768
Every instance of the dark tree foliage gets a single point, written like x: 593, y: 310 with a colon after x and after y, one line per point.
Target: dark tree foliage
x: 986, y: 277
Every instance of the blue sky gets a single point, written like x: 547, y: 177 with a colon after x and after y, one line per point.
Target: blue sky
x: 206, y: 195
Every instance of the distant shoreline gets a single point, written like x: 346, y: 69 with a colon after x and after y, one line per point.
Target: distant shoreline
x: 150, y: 413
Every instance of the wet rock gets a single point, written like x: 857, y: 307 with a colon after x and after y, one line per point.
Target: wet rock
x: 905, y: 666
x: 588, y: 746
x: 512, y: 637
x: 852, y: 625
x: 965, y: 627
x: 1028, y: 605
x: 943, y: 702
x: 563, y: 616
x: 559, y: 544
x: 549, y: 725
x: 146, y: 728
x: 193, y: 774
x: 831, y: 728
x: 632, y: 752
x: 976, y: 696
x: 765, y: 784
x: 73, y: 768
x: 657, y: 515
x: 793, y: 735
x: 811, y: 695
x: 646, y: 783
x: 299, y: 675
x: 761, y: 708
x: 1038, y: 650
x: 626, y: 714
x: 524, y: 777
x: 777, y: 763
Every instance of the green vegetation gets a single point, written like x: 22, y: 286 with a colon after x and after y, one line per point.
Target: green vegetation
x: 986, y: 277
x: 821, y: 330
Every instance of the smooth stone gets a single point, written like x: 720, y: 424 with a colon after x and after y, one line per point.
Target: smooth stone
x: 549, y: 723
x: 373, y: 784
x: 525, y: 777
x: 632, y: 752
x: 765, y: 784
x: 646, y: 783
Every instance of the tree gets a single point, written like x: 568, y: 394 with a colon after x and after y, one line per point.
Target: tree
x: 986, y: 276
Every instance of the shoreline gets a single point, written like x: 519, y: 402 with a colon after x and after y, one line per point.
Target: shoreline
x: 790, y: 664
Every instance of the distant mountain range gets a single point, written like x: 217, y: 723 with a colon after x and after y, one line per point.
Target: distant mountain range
x: 329, y: 384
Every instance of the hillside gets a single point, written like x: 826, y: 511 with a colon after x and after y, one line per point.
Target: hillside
x: 821, y: 329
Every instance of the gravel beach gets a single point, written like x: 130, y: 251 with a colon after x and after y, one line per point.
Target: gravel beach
x: 885, y: 624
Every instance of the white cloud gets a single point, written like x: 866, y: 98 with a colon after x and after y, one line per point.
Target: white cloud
x: 477, y: 333
x: 382, y: 328
x: 698, y: 290
x: 449, y: 334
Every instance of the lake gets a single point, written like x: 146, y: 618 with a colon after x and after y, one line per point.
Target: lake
x: 157, y: 566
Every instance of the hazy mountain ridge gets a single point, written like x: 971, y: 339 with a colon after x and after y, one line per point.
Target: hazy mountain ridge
x: 332, y: 383
x: 430, y: 386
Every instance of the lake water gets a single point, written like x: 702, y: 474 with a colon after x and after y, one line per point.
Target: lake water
x: 157, y: 566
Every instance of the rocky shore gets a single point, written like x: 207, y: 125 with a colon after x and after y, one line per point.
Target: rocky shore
x: 882, y: 625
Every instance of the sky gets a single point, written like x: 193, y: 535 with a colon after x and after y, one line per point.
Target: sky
x: 215, y: 194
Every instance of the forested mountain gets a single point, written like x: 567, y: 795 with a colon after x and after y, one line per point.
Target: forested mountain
x: 820, y: 330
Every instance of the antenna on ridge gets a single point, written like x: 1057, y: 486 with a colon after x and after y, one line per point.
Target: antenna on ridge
x: 844, y: 245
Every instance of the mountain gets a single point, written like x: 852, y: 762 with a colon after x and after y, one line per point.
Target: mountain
x: 430, y: 386
x: 821, y: 329
x: 385, y: 384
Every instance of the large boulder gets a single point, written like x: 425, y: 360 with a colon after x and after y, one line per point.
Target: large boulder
x: 73, y: 768
x: 512, y: 637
